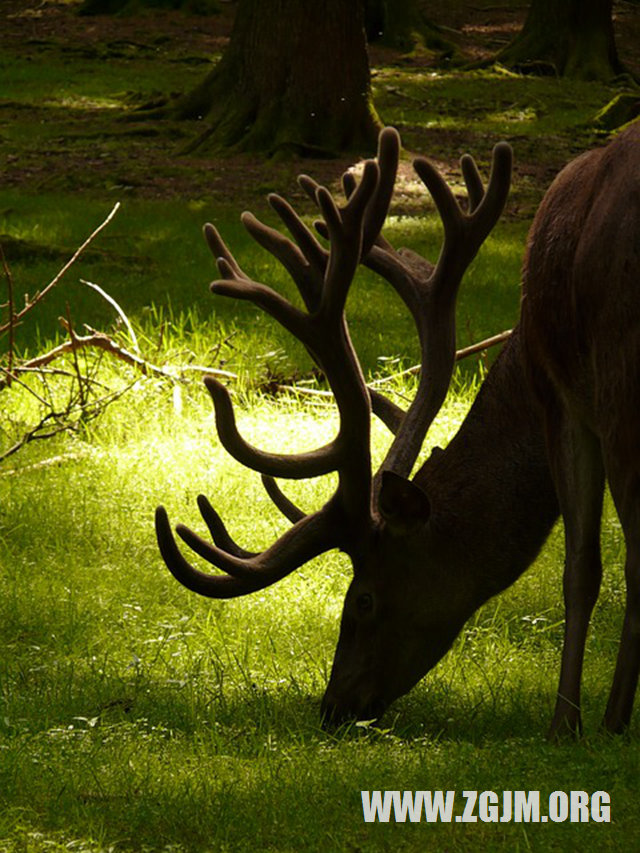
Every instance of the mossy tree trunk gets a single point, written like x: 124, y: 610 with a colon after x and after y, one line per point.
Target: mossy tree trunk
x: 572, y: 38
x: 403, y: 24
x: 294, y: 77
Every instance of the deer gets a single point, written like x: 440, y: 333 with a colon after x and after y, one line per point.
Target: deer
x: 555, y: 417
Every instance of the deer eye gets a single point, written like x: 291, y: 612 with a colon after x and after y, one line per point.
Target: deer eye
x: 364, y: 603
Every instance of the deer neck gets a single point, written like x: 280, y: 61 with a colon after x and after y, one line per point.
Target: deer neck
x: 492, y: 496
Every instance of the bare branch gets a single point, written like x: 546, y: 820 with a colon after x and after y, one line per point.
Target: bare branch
x: 481, y: 346
x: 11, y: 322
x: 108, y: 298
x: 465, y: 352
x: 74, y: 350
x: 102, y: 341
x: 32, y: 435
x: 15, y: 318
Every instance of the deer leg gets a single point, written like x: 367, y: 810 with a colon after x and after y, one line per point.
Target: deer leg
x: 625, y: 489
x: 577, y: 469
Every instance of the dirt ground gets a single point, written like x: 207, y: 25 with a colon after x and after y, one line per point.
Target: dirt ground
x: 90, y: 153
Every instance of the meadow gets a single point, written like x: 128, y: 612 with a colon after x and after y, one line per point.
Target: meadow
x: 135, y: 716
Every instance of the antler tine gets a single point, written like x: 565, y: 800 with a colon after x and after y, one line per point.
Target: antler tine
x: 294, y: 466
x: 237, y: 284
x: 213, y: 586
x: 306, y: 262
x: 378, y: 206
x: 310, y: 537
x: 472, y: 180
x: 430, y: 292
x: 315, y: 256
x: 219, y: 533
x: 282, y: 502
x: 465, y: 233
x: 264, y: 297
x: 324, y: 279
x: 345, y: 227
x: 220, y: 250
x: 377, y: 209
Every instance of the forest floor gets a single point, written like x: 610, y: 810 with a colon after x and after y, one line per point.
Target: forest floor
x: 73, y: 141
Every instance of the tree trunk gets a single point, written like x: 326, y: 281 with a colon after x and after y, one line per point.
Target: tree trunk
x: 294, y: 78
x: 571, y: 38
x: 403, y: 24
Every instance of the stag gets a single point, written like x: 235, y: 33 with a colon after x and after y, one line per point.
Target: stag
x: 553, y: 417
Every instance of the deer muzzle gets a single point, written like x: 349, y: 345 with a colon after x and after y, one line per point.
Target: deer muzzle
x: 338, y: 708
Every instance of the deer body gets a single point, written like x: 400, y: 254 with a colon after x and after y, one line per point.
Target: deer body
x: 581, y: 338
x: 558, y: 411
x: 494, y: 474
x: 491, y: 507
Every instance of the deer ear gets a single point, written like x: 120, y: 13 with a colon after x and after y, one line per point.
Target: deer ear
x: 402, y: 504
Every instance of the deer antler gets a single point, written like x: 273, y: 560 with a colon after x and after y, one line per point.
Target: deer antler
x: 323, y: 279
x: 429, y: 291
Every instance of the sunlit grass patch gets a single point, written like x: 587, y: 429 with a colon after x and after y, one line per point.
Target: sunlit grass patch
x: 93, y: 77
x: 489, y: 102
x: 138, y: 257
x: 133, y: 709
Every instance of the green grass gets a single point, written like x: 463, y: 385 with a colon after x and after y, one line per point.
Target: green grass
x: 136, y: 716
x: 101, y: 73
x: 154, y: 262
x: 492, y: 103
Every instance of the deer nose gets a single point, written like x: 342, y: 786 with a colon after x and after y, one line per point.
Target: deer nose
x: 335, y: 713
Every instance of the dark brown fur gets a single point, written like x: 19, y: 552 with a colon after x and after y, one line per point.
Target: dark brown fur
x: 560, y: 406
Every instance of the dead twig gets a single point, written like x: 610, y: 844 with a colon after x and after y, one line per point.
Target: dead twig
x: 33, y: 434
x: 108, y: 298
x: 63, y: 421
x: 12, y: 377
x: 10, y: 324
x: 481, y: 346
x: 74, y: 351
x: 53, y: 371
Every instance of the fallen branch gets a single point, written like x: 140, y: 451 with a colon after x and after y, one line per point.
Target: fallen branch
x: 67, y: 405
x: 479, y: 346
x: 62, y: 421
x: 48, y: 463
x: 33, y: 435
x: 100, y: 340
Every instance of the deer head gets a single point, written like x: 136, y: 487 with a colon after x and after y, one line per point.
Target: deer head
x: 392, y: 630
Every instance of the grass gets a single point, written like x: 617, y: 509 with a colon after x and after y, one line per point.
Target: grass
x: 497, y: 102
x: 154, y: 262
x: 136, y: 716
